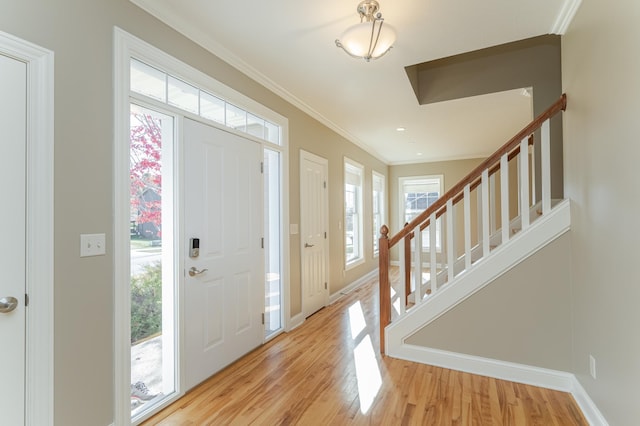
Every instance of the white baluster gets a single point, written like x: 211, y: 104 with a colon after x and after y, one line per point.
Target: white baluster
x: 485, y: 212
x: 492, y: 203
x: 479, y: 212
x: 417, y: 266
x: 401, y: 286
x: 504, y: 196
x: 467, y: 227
x: 451, y: 258
x: 433, y: 271
x: 524, y: 184
x: 546, y: 167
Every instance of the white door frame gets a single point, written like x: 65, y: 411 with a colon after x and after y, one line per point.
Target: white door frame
x: 325, y: 163
x: 39, y: 222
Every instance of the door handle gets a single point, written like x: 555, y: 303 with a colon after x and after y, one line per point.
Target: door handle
x: 8, y: 304
x: 307, y: 245
x: 194, y: 271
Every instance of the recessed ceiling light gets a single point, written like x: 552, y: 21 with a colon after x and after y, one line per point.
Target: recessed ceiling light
x: 419, y: 154
x: 401, y: 129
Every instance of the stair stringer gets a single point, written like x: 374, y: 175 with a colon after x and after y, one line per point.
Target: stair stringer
x: 522, y: 245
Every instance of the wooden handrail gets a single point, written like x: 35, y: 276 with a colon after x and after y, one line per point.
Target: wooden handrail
x: 559, y: 105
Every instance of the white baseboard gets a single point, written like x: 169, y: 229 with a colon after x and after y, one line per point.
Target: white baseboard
x: 295, y: 321
x: 348, y: 289
x: 514, y: 372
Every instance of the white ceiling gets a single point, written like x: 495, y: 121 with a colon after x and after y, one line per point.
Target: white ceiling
x: 288, y: 45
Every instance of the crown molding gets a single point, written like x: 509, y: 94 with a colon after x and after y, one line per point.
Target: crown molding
x: 208, y: 43
x: 566, y: 15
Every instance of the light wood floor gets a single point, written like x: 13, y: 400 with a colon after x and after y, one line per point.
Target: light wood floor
x: 320, y: 374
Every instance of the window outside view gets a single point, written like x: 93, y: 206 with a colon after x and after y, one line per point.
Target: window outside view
x: 418, y: 194
x: 353, y: 174
x: 148, y: 131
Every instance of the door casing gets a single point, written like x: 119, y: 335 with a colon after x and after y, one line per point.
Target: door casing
x: 307, y: 156
x: 39, y: 406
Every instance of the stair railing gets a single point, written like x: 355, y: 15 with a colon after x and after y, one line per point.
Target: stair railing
x: 399, y: 299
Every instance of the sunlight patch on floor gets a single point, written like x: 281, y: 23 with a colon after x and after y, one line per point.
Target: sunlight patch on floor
x: 367, y: 369
x: 356, y: 319
x: 367, y: 372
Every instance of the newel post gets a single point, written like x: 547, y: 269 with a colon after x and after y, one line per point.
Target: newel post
x: 385, y: 293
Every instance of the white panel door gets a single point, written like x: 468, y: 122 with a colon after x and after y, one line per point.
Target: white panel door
x: 222, y: 208
x: 13, y: 121
x: 313, y: 227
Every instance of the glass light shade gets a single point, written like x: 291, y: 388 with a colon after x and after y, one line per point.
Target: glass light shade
x: 359, y: 40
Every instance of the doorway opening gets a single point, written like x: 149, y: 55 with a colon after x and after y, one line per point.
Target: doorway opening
x: 150, y: 231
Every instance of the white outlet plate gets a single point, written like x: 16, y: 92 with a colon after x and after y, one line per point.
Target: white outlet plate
x: 92, y: 245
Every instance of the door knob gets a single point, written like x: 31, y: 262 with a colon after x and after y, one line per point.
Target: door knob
x: 8, y: 304
x: 307, y: 245
x: 194, y: 271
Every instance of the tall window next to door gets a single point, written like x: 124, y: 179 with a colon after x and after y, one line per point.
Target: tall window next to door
x: 353, y: 182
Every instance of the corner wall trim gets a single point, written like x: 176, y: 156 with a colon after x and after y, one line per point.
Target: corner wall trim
x: 586, y: 404
x: 354, y: 285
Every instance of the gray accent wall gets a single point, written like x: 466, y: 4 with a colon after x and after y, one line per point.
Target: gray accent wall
x: 522, y: 316
x: 531, y: 63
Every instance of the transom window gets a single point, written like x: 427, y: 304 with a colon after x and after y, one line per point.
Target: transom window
x: 149, y: 81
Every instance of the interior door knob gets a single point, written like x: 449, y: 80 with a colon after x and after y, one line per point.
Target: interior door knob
x: 8, y: 304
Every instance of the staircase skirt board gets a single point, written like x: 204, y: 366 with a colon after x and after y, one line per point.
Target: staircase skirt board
x: 502, y: 259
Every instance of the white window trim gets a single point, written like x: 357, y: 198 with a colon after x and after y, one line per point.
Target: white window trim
x: 361, y: 258
x: 127, y: 46
x: 383, y: 216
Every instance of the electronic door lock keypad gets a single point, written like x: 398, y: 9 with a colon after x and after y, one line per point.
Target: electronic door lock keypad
x: 194, y: 247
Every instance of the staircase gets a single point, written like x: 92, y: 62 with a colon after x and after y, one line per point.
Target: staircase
x: 479, y: 240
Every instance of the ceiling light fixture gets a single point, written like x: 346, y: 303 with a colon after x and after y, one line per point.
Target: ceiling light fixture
x: 370, y: 39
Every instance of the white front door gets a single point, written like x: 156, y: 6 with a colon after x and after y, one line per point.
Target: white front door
x: 224, y: 299
x: 13, y: 122
x: 313, y: 232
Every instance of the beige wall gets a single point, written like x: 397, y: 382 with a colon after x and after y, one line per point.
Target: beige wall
x: 601, y: 66
x: 520, y: 317
x: 80, y: 33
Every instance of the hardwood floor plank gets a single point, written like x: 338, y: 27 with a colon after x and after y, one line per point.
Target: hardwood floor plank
x: 321, y: 374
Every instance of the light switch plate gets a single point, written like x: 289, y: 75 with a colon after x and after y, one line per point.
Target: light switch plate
x: 92, y: 245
